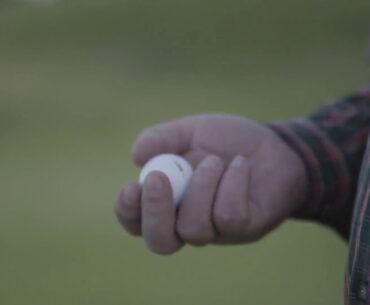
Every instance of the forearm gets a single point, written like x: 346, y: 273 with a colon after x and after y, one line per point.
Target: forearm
x: 331, y: 143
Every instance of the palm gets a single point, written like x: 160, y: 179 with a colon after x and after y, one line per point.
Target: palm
x: 273, y: 188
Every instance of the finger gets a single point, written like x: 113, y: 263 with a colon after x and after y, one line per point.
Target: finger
x: 195, y: 157
x: 194, y: 224
x: 172, y: 137
x: 257, y: 225
x: 158, y: 215
x: 231, y: 215
x: 128, y: 208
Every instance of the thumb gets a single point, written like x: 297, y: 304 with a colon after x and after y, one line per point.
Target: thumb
x: 171, y: 137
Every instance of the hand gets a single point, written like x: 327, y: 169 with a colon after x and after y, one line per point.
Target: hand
x: 246, y: 182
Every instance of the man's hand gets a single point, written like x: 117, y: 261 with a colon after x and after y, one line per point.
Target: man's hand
x: 246, y: 182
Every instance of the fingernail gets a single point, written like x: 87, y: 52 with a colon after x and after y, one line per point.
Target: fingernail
x: 239, y: 161
x: 154, y: 183
x: 212, y: 161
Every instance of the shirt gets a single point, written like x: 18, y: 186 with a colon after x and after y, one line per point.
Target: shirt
x: 332, y: 145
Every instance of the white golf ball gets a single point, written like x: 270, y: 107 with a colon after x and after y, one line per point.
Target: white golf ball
x: 176, y: 168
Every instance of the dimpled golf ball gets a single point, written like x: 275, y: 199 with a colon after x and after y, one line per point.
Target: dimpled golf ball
x: 176, y: 168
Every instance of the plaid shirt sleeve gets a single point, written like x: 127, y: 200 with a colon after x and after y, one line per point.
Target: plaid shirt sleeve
x: 331, y: 143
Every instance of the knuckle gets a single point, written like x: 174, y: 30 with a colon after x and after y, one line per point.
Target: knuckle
x: 230, y: 222
x: 195, y: 235
x: 225, y: 220
x: 125, y: 213
x: 131, y: 193
x: 163, y: 249
x: 126, y: 208
x: 130, y: 225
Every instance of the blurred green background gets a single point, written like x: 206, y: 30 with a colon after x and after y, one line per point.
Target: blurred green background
x: 78, y: 81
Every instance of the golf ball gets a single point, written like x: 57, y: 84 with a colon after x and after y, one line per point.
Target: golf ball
x: 176, y: 168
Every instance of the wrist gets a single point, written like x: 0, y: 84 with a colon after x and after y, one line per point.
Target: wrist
x: 324, y: 167
x: 299, y: 185
x: 305, y: 173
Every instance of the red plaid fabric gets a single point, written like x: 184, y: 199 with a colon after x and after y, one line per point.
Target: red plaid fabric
x: 332, y: 144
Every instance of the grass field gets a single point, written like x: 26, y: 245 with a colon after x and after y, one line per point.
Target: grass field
x: 78, y: 81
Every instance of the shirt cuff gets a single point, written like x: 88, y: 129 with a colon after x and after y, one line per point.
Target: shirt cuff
x: 327, y: 173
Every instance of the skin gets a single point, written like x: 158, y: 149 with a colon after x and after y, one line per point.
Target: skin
x: 246, y: 182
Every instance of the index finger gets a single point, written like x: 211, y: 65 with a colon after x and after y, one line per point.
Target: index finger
x: 171, y: 137
x: 159, y: 215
